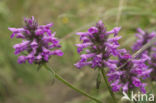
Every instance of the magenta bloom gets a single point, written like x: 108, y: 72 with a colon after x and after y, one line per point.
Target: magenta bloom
x: 129, y: 76
x: 143, y: 38
x: 96, y: 46
x: 38, y: 44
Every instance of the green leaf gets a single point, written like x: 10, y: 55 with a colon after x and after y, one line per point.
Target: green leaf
x: 98, y: 80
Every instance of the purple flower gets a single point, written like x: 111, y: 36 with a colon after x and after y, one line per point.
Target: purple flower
x: 21, y: 59
x: 97, y: 47
x: 136, y: 82
x: 38, y: 44
x: 143, y: 38
x: 131, y: 73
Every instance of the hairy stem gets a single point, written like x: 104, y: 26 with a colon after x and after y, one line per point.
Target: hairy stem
x: 58, y: 77
x: 108, y: 86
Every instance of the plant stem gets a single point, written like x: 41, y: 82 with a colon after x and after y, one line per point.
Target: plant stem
x: 58, y: 77
x: 108, y: 86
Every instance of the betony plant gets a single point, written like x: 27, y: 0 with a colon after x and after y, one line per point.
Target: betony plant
x: 125, y: 72
x: 38, y: 45
x: 97, y: 48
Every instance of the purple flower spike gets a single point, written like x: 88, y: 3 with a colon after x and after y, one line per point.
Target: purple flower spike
x: 129, y: 76
x: 38, y: 42
x: 97, y: 47
x: 150, y: 53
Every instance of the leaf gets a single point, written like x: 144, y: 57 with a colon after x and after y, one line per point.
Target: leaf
x: 51, y: 71
x: 98, y: 80
x: 39, y: 67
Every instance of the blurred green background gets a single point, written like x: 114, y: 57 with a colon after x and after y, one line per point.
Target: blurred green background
x: 24, y: 84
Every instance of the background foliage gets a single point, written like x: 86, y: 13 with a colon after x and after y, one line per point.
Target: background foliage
x: 24, y: 84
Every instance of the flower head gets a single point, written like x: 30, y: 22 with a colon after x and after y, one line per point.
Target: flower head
x: 38, y: 44
x: 96, y: 46
x: 143, y: 38
x: 131, y: 73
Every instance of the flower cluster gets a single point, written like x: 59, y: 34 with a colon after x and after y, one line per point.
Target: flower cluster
x: 127, y: 73
x: 96, y: 46
x: 38, y: 42
x: 143, y: 38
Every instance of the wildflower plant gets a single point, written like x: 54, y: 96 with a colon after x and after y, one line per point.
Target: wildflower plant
x: 97, y: 48
x: 124, y: 73
x: 38, y: 45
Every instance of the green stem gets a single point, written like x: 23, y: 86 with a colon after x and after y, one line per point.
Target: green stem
x: 57, y: 76
x: 108, y: 86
